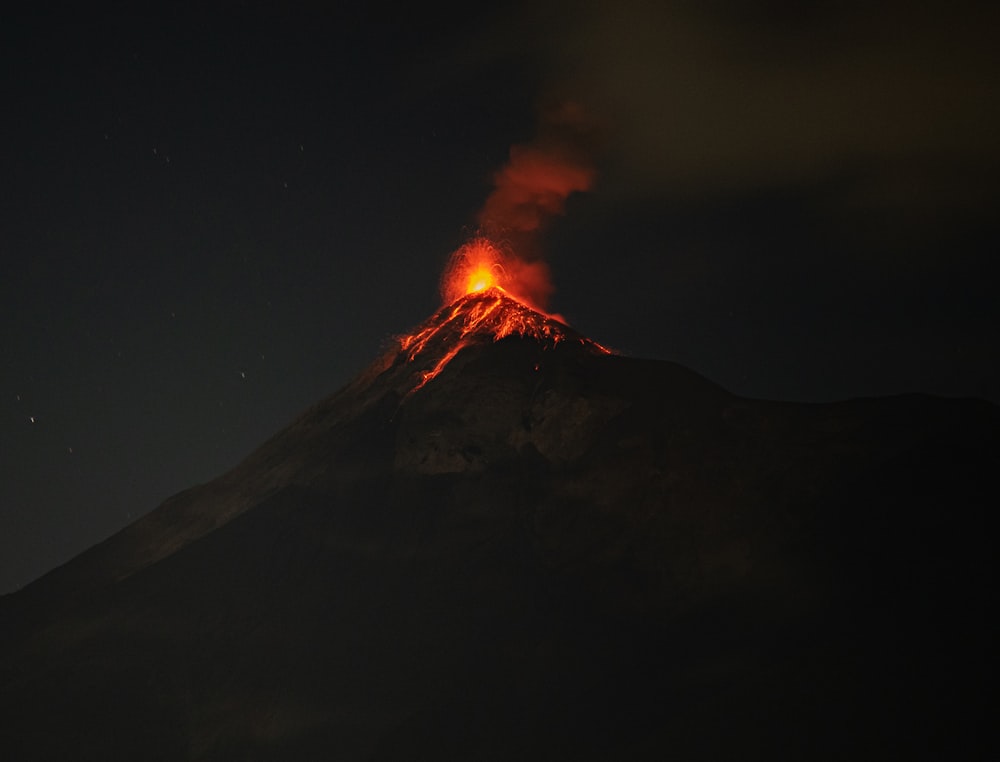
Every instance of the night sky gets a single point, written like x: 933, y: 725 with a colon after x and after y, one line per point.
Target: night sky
x: 212, y: 220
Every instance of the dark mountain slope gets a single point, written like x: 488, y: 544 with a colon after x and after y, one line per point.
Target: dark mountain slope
x: 543, y: 551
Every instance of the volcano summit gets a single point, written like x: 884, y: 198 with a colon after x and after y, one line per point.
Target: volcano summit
x: 489, y: 314
x: 502, y: 541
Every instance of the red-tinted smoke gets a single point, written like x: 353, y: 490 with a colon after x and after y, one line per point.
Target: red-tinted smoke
x: 532, y: 187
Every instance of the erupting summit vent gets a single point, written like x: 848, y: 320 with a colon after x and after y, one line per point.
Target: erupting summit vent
x: 497, y: 285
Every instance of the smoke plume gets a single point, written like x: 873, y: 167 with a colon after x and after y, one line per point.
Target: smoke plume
x: 535, y: 183
x: 530, y: 189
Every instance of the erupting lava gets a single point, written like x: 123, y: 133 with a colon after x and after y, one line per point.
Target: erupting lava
x: 489, y: 295
x: 480, y: 264
x: 477, y: 266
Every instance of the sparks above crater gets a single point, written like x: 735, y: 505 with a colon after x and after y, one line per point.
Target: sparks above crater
x: 482, y: 264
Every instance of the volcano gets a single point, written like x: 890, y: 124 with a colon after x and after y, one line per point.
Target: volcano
x: 503, y: 541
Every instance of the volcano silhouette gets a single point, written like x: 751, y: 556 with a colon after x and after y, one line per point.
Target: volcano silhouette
x: 503, y: 542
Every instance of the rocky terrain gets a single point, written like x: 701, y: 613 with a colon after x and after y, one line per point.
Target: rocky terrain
x: 531, y: 548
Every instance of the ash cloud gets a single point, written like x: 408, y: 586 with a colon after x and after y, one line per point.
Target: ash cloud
x: 720, y: 97
x: 711, y: 98
x: 530, y: 189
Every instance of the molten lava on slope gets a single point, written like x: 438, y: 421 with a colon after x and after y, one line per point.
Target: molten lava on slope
x: 483, y: 315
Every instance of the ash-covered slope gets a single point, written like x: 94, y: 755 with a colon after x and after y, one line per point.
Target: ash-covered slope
x: 527, y: 547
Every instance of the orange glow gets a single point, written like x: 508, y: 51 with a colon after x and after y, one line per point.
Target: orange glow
x: 479, y: 279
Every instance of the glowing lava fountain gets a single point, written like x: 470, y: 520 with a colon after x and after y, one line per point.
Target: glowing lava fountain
x: 481, y: 264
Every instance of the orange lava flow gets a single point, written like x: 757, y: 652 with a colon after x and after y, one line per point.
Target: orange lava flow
x: 489, y: 294
x: 488, y: 314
